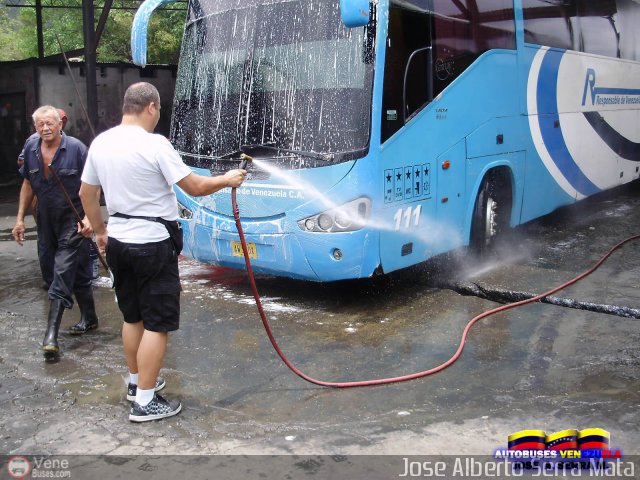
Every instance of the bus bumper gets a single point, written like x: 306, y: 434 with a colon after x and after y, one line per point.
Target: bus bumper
x: 316, y: 257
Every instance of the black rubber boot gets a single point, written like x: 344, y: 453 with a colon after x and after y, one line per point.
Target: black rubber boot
x: 50, y: 342
x: 88, y: 318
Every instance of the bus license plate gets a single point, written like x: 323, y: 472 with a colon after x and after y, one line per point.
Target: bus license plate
x: 236, y: 249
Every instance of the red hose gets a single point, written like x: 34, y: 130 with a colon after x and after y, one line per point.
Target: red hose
x: 382, y: 381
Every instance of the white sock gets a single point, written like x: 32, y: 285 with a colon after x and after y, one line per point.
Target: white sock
x: 133, y: 378
x: 143, y: 397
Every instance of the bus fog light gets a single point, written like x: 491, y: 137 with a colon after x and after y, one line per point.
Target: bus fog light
x: 337, y: 254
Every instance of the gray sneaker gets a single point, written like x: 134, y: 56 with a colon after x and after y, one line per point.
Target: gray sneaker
x: 133, y: 389
x: 156, y: 409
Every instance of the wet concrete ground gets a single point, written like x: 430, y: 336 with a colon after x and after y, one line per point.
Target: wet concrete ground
x: 536, y: 367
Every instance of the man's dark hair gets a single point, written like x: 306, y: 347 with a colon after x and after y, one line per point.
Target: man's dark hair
x: 138, y: 97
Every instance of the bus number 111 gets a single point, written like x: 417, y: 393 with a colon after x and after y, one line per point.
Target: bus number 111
x: 406, y: 215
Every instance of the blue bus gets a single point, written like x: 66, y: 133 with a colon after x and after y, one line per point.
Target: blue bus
x: 387, y: 132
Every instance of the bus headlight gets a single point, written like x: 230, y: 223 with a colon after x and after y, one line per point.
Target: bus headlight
x: 325, y: 222
x: 345, y: 218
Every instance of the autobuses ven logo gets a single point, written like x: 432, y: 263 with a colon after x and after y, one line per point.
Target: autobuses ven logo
x: 564, y: 445
x: 18, y: 467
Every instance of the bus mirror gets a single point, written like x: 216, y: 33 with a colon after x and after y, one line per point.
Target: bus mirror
x: 354, y: 13
x: 139, y: 30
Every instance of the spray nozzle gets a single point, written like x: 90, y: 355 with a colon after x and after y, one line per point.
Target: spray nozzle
x: 244, y: 159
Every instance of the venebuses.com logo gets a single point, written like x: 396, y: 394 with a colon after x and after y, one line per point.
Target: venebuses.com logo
x: 38, y: 467
x: 18, y: 467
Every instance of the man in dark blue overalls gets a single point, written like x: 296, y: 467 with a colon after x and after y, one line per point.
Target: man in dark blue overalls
x: 62, y: 250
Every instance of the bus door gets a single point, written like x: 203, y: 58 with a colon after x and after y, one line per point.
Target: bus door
x: 406, y: 161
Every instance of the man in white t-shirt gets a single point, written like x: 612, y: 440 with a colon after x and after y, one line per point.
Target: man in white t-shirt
x: 136, y: 170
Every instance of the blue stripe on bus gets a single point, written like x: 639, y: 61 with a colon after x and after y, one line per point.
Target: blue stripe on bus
x: 615, y: 91
x: 547, y: 92
x: 622, y: 146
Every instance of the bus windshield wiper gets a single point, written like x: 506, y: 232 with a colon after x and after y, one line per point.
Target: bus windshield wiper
x: 325, y: 157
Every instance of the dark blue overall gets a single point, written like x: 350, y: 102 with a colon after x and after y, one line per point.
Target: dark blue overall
x: 63, y: 253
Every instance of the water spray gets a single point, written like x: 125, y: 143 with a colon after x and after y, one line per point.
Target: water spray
x: 383, y: 381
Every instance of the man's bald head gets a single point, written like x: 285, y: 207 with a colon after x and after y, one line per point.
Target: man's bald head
x: 138, y: 97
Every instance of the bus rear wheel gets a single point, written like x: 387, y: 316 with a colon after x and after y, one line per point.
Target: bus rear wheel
x: 492, y: 212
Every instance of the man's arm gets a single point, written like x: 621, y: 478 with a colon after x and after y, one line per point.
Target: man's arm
x: 198, y: 185
x: 85, y: 228
x: 26, y: 197
x: 90, y: 198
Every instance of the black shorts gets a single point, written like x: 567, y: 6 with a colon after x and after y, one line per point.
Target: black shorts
x: 147, y: 283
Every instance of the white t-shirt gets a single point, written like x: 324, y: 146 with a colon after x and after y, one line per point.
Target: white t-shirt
x: 136, y: 171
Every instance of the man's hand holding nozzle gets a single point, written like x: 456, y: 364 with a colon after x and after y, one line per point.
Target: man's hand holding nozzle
x: 235, y: 177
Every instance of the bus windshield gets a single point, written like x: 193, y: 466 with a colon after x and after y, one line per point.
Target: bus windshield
x: 286, y: 74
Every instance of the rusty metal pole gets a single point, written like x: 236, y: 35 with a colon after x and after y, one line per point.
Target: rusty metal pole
x: 39, y: 29
x: 88, y: 20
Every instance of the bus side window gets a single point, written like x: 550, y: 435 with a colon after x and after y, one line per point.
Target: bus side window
x: 597, y: 27
x: 549, y: 24
x: 627, y: 21
x: 463, y: 30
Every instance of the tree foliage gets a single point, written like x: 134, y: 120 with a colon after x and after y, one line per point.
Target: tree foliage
x: 18, y: 38
x: 9, y: 47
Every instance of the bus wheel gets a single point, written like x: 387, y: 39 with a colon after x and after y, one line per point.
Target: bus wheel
x: 492, y: 212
